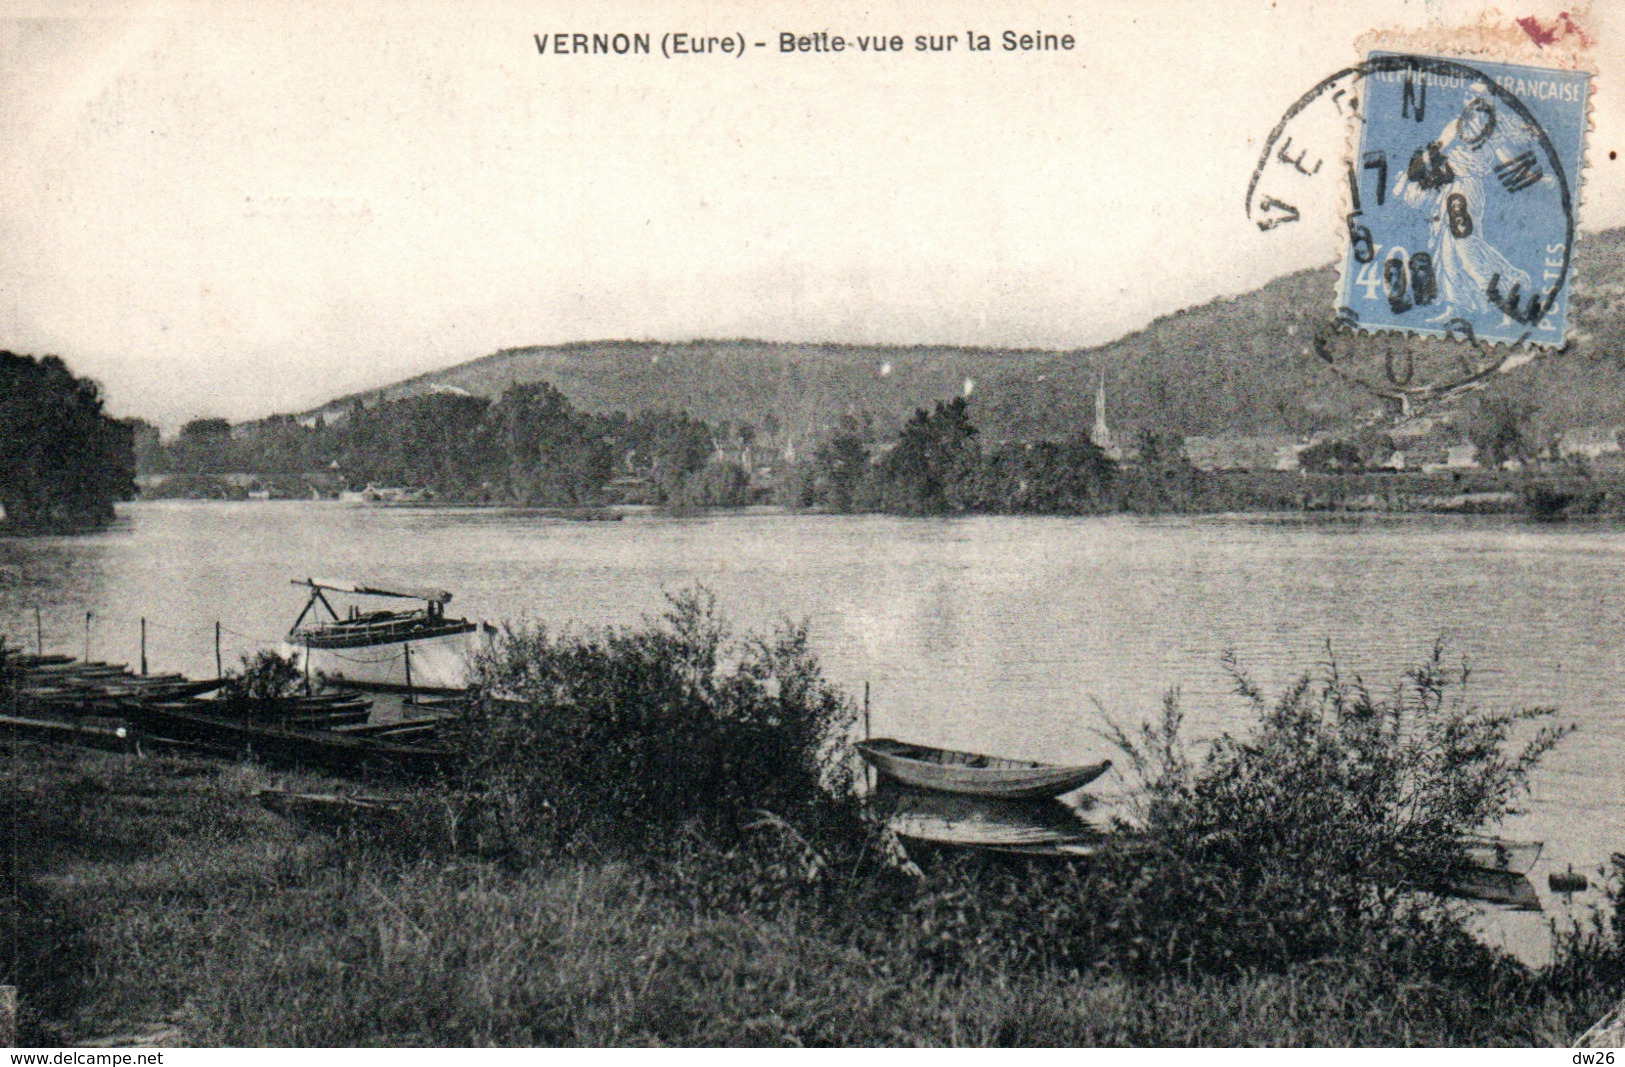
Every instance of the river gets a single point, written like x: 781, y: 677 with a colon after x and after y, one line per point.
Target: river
x: 1003, y: 635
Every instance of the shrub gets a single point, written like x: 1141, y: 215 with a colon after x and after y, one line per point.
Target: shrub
x: 1543, y: 501
x: 1588, y: 952
x: 263, y: 677
x: 1324, y: 834
x: 716, y: 485
x: 1328, y: 831
x: 630, y: 738
x: 1331, y: 456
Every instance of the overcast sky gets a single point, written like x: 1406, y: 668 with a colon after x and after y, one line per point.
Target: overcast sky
x: 238, y: 209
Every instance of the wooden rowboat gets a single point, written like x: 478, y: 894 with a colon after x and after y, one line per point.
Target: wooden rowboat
x: 961, y: 821
x: 1495, y: 887
x: 972, y: 774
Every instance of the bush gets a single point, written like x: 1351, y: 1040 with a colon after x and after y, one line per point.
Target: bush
x: 631, y: 738
x: 1329, y: 831
x: 264, y: 677
x: 1589, y: 952
x: 715, y: 485
x: 1326, y: 834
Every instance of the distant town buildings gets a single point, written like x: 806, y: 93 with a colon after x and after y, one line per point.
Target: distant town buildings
x: 1234, y: 452
x: 1588, y: 442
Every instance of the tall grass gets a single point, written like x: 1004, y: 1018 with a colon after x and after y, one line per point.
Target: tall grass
x: 163, y: 901
x: 654, y: 836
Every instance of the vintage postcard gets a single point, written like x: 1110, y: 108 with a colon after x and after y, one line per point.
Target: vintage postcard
x: 531, y: 523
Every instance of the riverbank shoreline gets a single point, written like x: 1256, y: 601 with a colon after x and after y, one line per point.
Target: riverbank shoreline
x: 979, y: 634
x: 162, y: 904
x: 1545, y: 495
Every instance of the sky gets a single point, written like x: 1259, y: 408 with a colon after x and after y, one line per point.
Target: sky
x: 219, y: 208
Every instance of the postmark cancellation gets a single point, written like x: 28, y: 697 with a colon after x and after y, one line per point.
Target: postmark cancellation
x: 1446, y: 165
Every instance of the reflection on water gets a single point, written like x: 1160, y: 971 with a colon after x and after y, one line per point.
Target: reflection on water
x: 992, y: 634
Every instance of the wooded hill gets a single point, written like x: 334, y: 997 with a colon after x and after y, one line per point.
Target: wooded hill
x: 1238, y: 365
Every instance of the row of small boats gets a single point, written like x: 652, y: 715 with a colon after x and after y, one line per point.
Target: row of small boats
x: 943, y: 798
x: 107, y: 705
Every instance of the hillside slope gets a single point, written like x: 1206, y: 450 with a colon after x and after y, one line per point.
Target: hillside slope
x: 1239, y: 365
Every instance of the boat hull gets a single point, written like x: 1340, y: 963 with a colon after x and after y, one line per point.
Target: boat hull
x: 1499, y: 855
x: 440, y: 662
x: 964, y: 821
x: 196, y: 724
x: 970, y: 774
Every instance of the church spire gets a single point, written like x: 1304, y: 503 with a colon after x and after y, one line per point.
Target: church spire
x: 1101, y: 435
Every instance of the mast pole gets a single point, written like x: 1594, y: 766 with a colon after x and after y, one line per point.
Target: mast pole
x: 868, y: 781
x: 411, y: 698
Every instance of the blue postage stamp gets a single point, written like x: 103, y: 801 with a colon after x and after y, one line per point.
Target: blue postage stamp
x: 1463, y: 194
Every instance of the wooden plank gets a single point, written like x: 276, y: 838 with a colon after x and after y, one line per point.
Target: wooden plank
x: 121, y: 738
x: 288, y: 744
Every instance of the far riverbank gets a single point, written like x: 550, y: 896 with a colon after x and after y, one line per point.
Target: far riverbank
x: 1557, y: 493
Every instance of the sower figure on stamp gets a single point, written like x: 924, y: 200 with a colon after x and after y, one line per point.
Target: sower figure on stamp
x: 1446, y: 181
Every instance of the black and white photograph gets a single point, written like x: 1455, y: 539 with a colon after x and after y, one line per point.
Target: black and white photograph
x: 545, y: 524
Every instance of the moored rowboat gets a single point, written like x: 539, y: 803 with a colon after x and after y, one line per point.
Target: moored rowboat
x: 975, y: 775
x: 196, y: 722
x: 962, y: 821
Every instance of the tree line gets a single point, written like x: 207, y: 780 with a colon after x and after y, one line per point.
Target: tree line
x: 532, y: 446
x: 529, y: 446
x: 939, y: 465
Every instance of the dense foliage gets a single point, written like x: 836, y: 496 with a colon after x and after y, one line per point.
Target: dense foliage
x: 938, y: 465
x: 63, y: 460
x: 1328, y: 827
x: 530, y: 446
x: 263, y: 677
x: 622, y: 738
x: 1329, y: 830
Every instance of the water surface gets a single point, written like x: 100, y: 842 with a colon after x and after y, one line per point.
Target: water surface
x: 1003, y: 635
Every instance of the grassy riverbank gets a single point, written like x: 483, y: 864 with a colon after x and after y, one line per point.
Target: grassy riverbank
x: 655, y: 834
x: 160, y: 902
